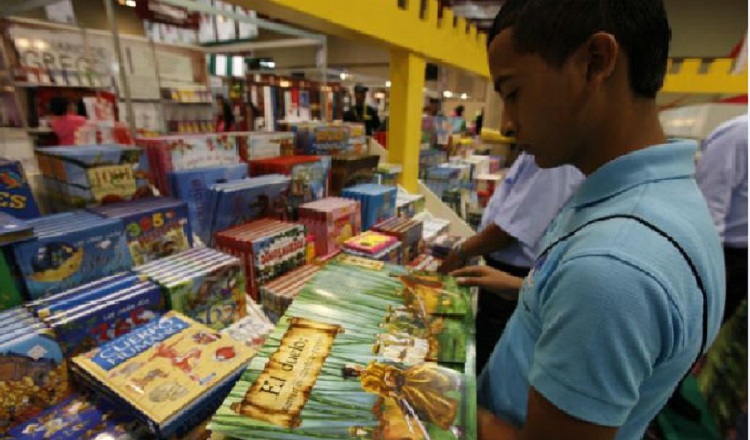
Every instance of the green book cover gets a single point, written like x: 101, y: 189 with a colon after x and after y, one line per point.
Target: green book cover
x: 353, y: 359
x: 10, y: 296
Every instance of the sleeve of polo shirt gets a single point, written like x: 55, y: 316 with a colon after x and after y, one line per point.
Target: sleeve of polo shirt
x: 534, y: 200
x: 716, y: 173
x: 601, y: 324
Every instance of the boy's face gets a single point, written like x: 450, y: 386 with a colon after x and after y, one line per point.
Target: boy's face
x: 545, y: 107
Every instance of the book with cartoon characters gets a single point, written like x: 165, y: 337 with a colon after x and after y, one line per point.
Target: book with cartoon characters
x: 165, y: 373
x: 351, y: 358
x: 33, y: 370
x: 155, y: 227
x: 69, y: 249
x: 204, y: 284
x: 331, y: 221
x: 78, y: 417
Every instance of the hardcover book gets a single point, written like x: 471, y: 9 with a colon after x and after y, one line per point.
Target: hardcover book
x: 163, y: 369
x: 351, y: 358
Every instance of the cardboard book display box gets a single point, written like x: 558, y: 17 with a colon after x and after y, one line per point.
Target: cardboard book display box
x: 352, y: 358
x: 168, y: 375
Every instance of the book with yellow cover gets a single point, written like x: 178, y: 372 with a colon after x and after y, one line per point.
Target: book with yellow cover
x: 164, y: 370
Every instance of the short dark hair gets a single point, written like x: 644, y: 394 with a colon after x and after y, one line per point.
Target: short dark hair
x: 58, y: 105
x: 554, y: 29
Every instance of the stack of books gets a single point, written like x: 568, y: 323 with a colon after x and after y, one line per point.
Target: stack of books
x: 378, y: 202
x: 268, y: 249
x: 204, y: 284
x: 169, y: 375
x: 83, y: 176
x: 192, y: 187
x: 70, y: 249
x: 426, y: 262
x: 331, y: 221
x: 13, y: 229
x: 34, y: 372
x: 242, y: 201
x: 16, y: 197
x: 155, y: 227
x: 91, y: 314
x: 188, y: 152
x: 376, y: 246
x: 367, y: 350
x: 408, y: 232
x: 276, y: 296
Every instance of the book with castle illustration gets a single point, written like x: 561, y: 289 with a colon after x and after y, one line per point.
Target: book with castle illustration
x: 165, y: 372
x: 347, y: 362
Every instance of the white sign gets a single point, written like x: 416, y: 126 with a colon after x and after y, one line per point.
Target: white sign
x: 173, y: 67
x: 61, y: 51
x: 61, y: 12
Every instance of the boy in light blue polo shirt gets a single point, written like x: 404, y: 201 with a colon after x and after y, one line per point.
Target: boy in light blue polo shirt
x: 628, y: 289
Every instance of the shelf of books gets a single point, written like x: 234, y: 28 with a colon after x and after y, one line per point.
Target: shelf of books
x: 236, y: 285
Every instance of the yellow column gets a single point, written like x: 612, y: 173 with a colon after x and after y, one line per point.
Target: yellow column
x: 405, y: 121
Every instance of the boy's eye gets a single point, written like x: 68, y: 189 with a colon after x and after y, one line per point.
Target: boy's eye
x: 511, y: 96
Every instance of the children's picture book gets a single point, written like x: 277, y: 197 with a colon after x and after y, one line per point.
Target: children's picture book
x: 208, y: 287
x: 331, y: 221
x: 33, y: 374
x: 155, y: 227
x: 192, y: 187
x: 164, y: 370
x: 268, y: 248
x: 70, y: 249
x: 16, y: 197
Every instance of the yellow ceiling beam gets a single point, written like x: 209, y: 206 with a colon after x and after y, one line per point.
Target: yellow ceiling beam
x: 716, y: 77
x: 384, y: 22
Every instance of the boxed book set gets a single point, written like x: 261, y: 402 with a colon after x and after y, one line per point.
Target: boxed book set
x: 331, y: 221
x: 268, y: 249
